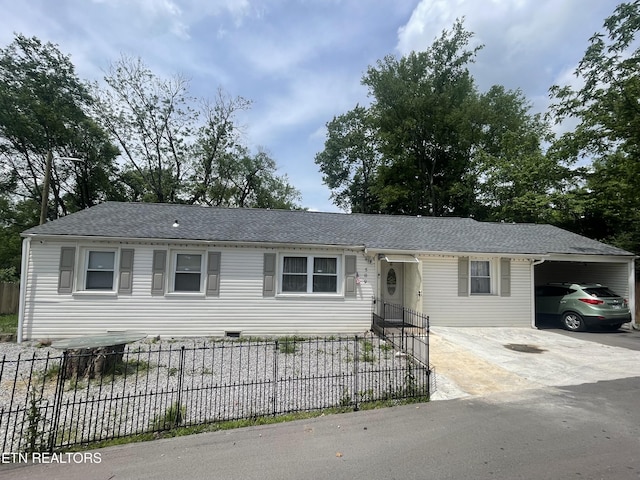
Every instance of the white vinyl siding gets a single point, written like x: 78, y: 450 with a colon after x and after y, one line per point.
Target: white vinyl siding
x: 440, y: 299
x: 238, y: 306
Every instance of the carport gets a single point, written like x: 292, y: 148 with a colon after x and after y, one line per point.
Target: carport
x: 617, y: 272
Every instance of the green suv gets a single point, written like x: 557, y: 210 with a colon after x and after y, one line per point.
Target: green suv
x: 581, y: 305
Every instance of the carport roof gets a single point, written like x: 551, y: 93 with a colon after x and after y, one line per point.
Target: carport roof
x: 377, y: 232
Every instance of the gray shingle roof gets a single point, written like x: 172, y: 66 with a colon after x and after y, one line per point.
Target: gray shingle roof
x: 385, y: 232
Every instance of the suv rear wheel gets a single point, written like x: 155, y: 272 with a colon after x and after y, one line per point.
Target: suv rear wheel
x: 572, y: 322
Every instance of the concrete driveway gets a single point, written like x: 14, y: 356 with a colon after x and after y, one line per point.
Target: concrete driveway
x: 481, y: 361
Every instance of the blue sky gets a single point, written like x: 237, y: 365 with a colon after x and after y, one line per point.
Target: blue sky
x: 301, y: 62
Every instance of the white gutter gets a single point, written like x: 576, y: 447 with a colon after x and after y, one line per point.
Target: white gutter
x: 26, y: 252
x: 162, y: 241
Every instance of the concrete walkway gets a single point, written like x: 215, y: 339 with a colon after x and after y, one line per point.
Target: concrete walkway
x: 481, y: 361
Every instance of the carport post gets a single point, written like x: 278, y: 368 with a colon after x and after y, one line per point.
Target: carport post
x: 534, y: 263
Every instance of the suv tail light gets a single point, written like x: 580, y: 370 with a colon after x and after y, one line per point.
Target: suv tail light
x: 592, y: 301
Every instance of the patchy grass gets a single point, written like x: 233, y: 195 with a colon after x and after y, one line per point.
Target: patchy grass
x: 249, y: 422
x: 9, y: 323
x: 289, y: 344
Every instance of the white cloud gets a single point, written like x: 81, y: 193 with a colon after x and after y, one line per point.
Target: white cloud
x: 528, y: 44
x: 301, y: 61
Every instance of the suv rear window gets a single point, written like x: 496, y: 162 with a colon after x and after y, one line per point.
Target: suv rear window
x: 554, y: 291
x: 600, y: 292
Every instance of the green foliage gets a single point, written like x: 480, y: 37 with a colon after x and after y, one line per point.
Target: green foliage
x: 345, y: 399
x: 172, y: 418
x: 350, y: 160
x: 431, y: 144
x: 131, y: 366
x: 35, y: 420
x: 367, y: 352
x: 606, y: 108
x: 9, y: 275
x: 288, y: 345
x: 51, y: 373
x: 9, y: 323
x: 177, y: 153
x: 519, y: 182
x: 421, y: 106
x: 43, y: 108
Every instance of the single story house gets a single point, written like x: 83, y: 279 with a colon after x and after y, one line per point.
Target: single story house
x: 179, y: 270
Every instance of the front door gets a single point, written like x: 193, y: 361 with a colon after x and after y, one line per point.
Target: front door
x: 391, y: 283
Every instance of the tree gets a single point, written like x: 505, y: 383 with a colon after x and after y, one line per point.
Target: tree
x: 177, y: 153
x: 150, y: 119
x: 421, y: 103
x: 606, y: 106
x: 518, y: 180
x: 43, y: 108
x: 350, y: 160
x: 431, y: 144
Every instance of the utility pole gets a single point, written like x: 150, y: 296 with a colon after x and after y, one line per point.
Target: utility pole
x: 45, y: 188
x: 47, y: 181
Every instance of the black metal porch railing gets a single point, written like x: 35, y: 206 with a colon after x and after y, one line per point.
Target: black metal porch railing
x: 155, y: 387
x: 407, y: 329
x: 392, y: 318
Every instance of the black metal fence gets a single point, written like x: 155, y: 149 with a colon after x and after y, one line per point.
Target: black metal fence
x: 406, y: 329
x: 153, y: 387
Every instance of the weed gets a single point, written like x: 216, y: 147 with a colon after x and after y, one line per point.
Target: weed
x: 345, y: 399
x: 35, y: 424
x: 77, y: 385
x: 52, y: 372
x: 366, y: 396
x: 130, y: 366
x: 367, y: 352
x: 173, y: 371
x: 288, y: 344
x: 386, y: 347
x: 172, y: 418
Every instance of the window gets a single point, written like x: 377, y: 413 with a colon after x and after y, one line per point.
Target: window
x: 325, y: 275
x: 294, y: 274
x: 100, y: 268
x: 309, y: 274
x: 188, y: 272
x: 480, y: 276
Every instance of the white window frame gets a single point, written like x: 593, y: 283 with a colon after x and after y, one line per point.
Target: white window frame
x: 310, y: 274
x: 81, y: 282
x: 493, y: 276
x: 173, y: 271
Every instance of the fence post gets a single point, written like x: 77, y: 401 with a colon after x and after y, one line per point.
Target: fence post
x: 179, y: 420
x: 275, y: 379
x: 356, y: 354
x: 57, y: 402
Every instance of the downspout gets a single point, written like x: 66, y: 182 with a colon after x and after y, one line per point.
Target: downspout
x: 533, y: 290
x: 24, y: 273
x: 632, y: 296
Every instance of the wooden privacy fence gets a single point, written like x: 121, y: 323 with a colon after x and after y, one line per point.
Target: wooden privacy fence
x: 9, y: 294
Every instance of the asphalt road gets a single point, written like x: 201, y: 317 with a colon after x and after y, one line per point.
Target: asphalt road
x: 624, y: 337
x: 589, y: 431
